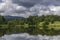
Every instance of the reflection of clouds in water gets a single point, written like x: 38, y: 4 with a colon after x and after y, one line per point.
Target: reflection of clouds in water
x: 26, y: 36
x: 2, y: 39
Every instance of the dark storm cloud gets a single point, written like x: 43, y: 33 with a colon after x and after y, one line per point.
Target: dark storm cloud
x: 26, y: 3
x: 30, y: 3
x: 1, y: 1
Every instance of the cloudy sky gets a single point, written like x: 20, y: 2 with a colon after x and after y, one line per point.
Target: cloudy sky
x: 25, y: 8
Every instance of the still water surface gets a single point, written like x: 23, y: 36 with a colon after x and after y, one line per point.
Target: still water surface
x: 25, y: 36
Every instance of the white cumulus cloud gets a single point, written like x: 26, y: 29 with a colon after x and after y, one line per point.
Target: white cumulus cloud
x: 7, y: 7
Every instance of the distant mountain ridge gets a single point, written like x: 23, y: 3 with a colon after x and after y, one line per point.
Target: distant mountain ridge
x: 13, y: 17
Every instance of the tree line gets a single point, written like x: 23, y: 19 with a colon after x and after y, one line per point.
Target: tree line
x: 33, y: 25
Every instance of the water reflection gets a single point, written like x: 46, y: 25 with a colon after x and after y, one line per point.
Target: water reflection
x: 25, y: 36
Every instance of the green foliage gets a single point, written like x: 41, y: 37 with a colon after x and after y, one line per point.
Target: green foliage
x: 49, y: 25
